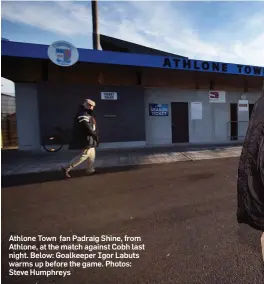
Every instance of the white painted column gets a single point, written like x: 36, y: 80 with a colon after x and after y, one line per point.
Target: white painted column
x: 27, y: 113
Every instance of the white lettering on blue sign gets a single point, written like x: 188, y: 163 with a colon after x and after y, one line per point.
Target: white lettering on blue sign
x: 158, y: 110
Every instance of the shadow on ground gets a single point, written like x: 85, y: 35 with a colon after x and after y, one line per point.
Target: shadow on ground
x: 33, y: 178
x: 10, y: 156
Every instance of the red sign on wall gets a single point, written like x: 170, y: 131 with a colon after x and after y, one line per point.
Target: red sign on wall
x: 217, y: 97
x: 243, y: 105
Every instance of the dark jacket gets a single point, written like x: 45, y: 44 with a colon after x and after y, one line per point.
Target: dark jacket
x: 84, y: 135
x: 250, y: 183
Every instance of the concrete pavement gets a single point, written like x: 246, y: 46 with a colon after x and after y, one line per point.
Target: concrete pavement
x: 15, y: 163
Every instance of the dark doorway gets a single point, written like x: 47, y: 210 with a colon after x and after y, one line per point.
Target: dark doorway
x: 180, y: 122
x: 233, y: 122
x: 250, y: 109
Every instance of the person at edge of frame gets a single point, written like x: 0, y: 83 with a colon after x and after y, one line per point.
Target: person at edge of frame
x: 84, y: 138
x: 250, y: 181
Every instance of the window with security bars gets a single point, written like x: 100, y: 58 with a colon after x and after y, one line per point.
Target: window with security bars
x: 8, y: 121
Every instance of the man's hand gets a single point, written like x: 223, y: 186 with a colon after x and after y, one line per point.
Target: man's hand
x: 96, y: 138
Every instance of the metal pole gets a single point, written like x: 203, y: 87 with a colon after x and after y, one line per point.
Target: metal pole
x: 96, y: 36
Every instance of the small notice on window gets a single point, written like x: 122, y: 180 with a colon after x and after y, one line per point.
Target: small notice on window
x: 196, y: 110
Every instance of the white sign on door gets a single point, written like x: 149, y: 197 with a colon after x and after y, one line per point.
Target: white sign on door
x: 108, y: 96
x: 217, y: 97
x: 242, y: 105
x: 196, y: 110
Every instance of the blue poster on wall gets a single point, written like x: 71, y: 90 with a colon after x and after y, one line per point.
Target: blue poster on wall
x: 158, y: 109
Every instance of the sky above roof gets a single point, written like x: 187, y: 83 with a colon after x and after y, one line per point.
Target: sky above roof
x: 219, y: 31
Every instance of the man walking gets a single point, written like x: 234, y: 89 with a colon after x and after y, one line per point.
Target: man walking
x: 84, y: 138
x: 250, y: 185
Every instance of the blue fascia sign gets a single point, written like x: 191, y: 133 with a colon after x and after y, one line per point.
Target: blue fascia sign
x: 65, y: 54
x: 158, y: 109
x: 209, y: 66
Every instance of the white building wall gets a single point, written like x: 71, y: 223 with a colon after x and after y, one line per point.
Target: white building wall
x: 212, y: 128
x: 27, y: 116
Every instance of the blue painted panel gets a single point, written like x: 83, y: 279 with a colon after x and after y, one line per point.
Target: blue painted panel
x: 142, y: 60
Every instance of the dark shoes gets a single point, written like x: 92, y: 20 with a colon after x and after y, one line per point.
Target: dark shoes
x: 66, y: 172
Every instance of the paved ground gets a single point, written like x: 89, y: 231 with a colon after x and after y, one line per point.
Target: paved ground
x: 18, y: 163
x: 184, y: 213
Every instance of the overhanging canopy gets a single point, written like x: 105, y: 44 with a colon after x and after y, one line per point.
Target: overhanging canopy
x: 37, y: 51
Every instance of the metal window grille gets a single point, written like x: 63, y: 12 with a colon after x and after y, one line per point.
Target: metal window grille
x: 8, y: 122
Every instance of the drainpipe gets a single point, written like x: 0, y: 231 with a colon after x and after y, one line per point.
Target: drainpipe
x: 96, y: 36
